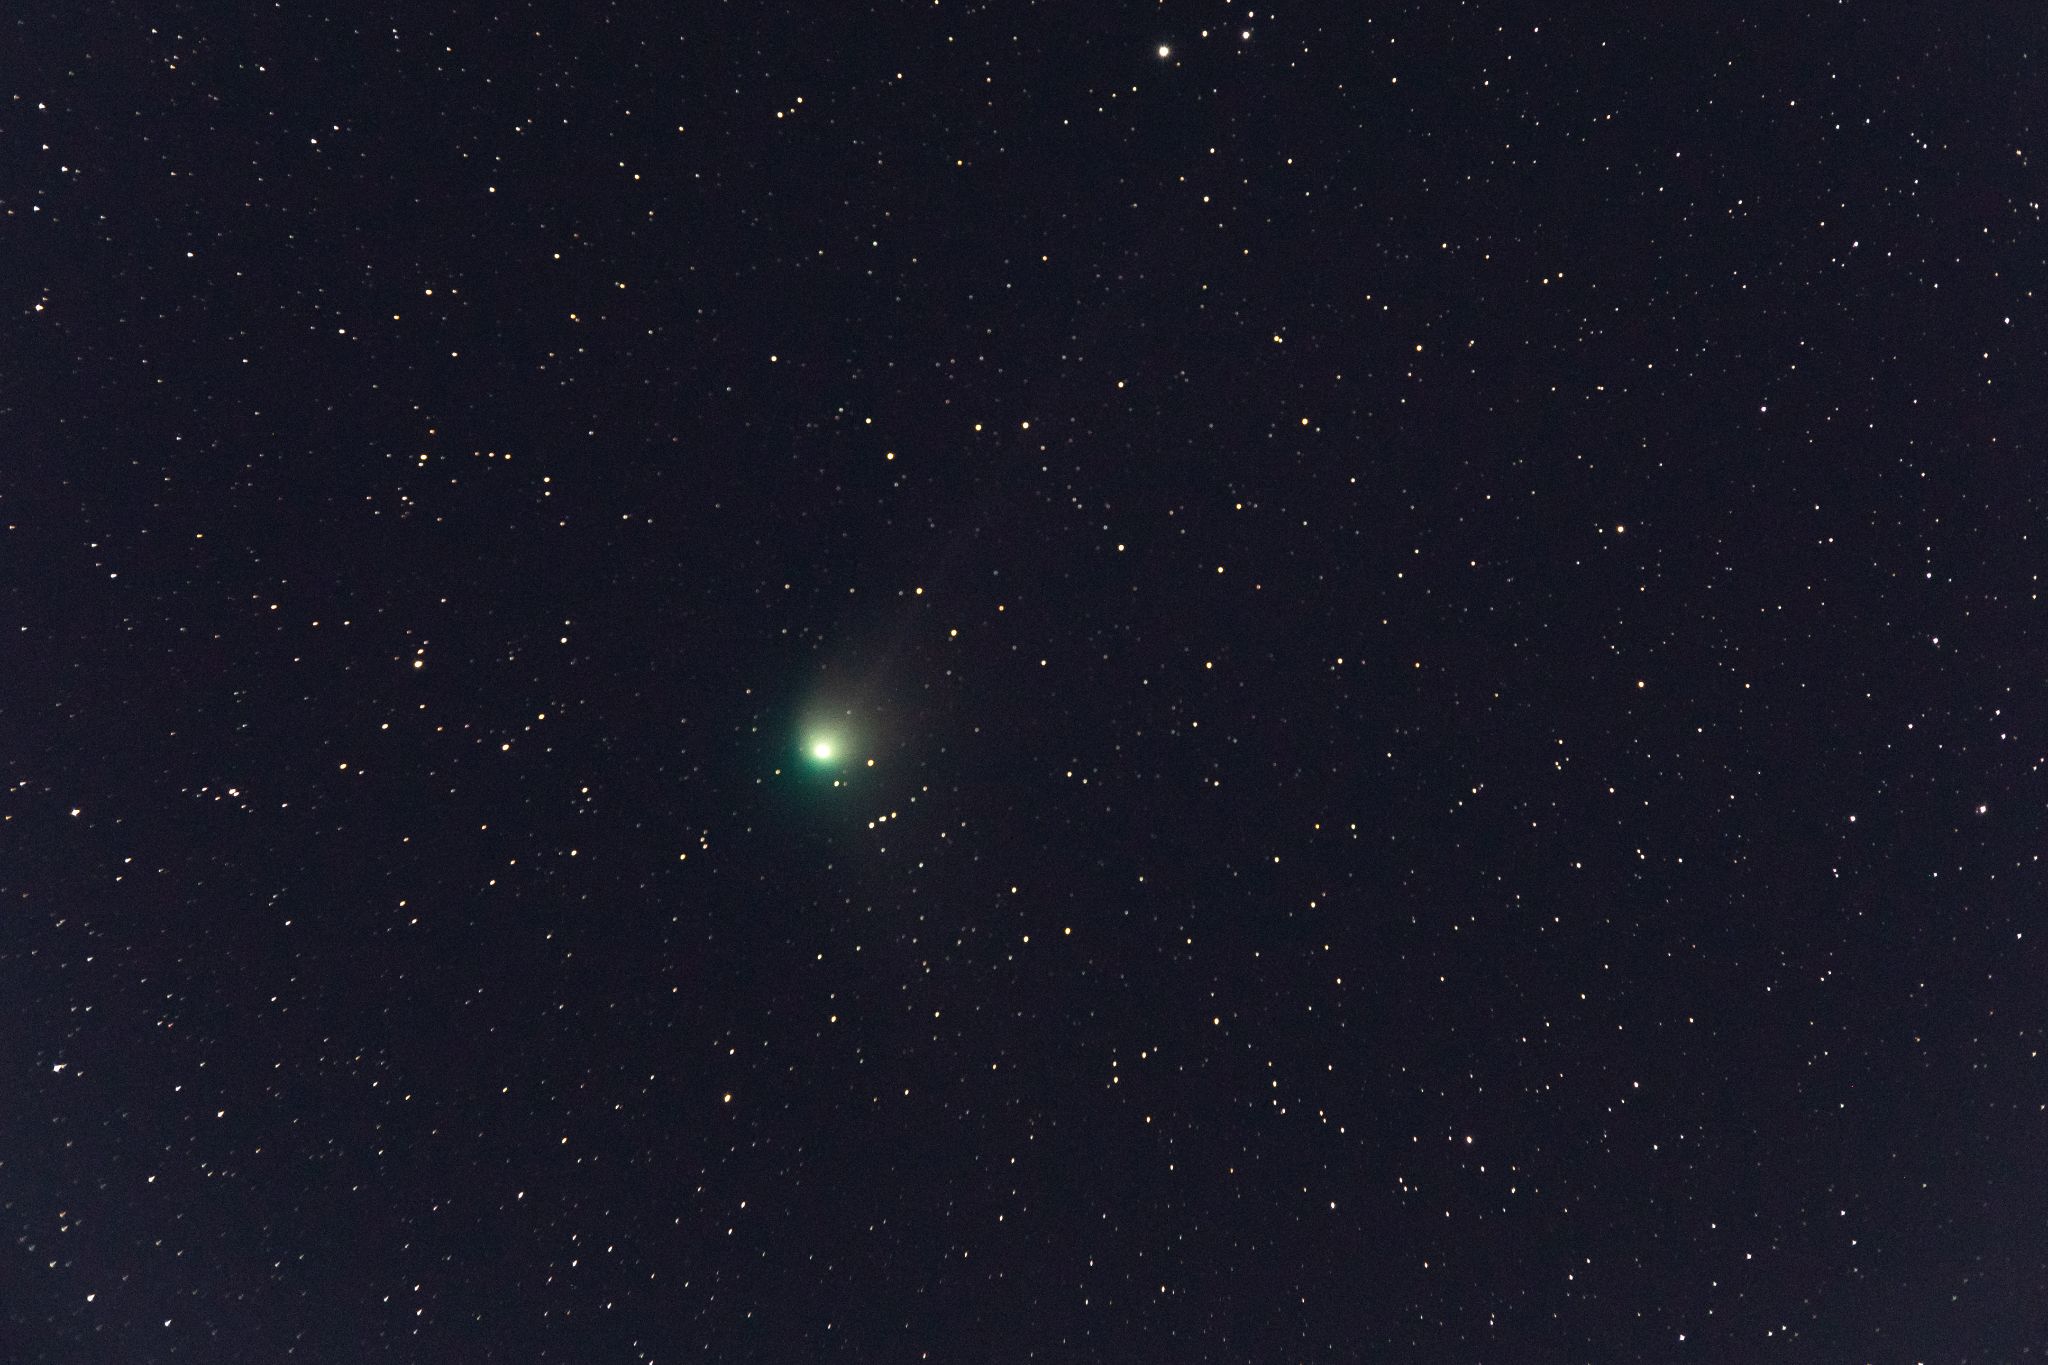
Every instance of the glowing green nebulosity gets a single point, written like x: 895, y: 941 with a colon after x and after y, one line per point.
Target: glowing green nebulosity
x: 824, y: 748
x: 825, y: 741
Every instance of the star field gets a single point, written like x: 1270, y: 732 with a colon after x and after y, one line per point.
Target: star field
x: 1022, y: 683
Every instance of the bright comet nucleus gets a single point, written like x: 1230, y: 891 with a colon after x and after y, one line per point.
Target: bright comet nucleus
x: 822, y: 750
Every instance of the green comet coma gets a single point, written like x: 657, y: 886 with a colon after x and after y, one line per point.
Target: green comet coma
x: 824, y: 748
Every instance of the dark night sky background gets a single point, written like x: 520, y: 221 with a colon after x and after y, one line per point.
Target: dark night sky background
x: 1445, y: 605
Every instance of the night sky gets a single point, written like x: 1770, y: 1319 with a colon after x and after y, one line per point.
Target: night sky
x: 999, y: 682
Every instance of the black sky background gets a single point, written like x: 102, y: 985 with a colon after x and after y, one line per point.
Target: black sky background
x: 1445, y: 602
